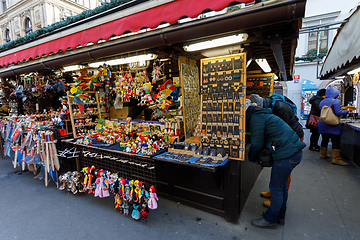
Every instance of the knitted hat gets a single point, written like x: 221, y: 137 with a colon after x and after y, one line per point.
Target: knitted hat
x: 248, y: 103
x: 255, y: 98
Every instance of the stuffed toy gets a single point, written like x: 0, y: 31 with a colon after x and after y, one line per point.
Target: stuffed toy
x: 65, y: 179
x: 77, y: 180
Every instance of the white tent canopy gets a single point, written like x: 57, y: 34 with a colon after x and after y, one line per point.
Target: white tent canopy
x: 345, y: 51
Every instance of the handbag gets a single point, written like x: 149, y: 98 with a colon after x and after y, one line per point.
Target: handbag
x: 264, y: 158
x: 313, y: 121
x: 327, y: 115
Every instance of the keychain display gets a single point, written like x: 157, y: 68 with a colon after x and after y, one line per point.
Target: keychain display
x: 223, y: 92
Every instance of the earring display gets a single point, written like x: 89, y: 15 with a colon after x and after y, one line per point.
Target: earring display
x: 223, y: 92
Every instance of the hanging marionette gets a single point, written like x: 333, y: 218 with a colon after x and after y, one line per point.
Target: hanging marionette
x: 156, y: 72
x: 89, y: 180
x: 135, y: 213
x: 144, y: 212
x: 152, y: 202
x: 146, y: 99
x: 101, y: 189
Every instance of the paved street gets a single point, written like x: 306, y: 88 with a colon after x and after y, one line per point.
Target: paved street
x: 323, y: 204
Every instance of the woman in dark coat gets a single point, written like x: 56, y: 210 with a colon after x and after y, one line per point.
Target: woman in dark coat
x: 331, y: 131
x: 315, y: 110
x: 268, y: 130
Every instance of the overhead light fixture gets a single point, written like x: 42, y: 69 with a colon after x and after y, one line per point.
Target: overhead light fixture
x: 356, y: 70
x: 71, y: 68
x: 119, y: 61
x: 263, y: 64
x: 218, y: 42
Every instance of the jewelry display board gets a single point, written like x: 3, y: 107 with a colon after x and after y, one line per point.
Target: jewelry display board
x: 223, y: 93
x: 261, y: 84
x: 190, y: 87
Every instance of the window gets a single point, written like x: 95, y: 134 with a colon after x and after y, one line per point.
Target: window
x: 318, y: 38
x: 4, y: 5
x: 28, y: 26
x: 7, y: 34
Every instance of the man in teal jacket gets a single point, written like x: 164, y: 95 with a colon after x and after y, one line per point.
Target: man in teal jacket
x: 268, y: 130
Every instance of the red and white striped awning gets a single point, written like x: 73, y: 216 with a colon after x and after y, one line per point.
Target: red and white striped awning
x: 146, y: 15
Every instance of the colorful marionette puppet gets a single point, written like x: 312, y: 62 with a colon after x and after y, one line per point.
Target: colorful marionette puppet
x: 125, y: 207
x: 113, y: 182
x: 146, y: 99
x: 118, y: 190
x: 127, y: 197
x: 135, y: 213
x: 137, y: 191
x: 101, y: 189
x: 65, y: 179
x: 78, y: 96
x: 118, y: 203
x: 152, y: 202
x: 144, y: 212
x: 89, y: 179
x: 77, y: 180
x: 156, y: 72
x: 144, y: 193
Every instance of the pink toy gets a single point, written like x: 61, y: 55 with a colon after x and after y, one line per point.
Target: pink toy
x: 101, y: 189
x: 152, y: 203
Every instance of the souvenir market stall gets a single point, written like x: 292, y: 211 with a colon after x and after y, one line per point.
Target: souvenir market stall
x: 195, y: 152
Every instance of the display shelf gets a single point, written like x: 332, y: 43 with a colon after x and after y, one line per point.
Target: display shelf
x: 86, y: 105
x: 190, y: 88
x: 261, y: 84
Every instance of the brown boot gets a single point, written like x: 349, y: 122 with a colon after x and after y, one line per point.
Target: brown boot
x: 266, y: 194
x: 323, y: 153
x: 336, y: 158
x: 267, y: 203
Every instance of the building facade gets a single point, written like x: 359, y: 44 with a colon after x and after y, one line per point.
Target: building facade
x: 19, y: 17
x: 319, y: 15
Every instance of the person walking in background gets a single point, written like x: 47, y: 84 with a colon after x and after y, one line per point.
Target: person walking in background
x: 270, y: 131
x: 315, y: 110
x: 331, y: 131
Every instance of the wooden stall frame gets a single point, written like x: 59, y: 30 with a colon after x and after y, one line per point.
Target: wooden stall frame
x: 71, y: 111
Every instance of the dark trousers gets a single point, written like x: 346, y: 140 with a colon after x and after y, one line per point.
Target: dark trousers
x: 314, y: 138
x: 335, y: 140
